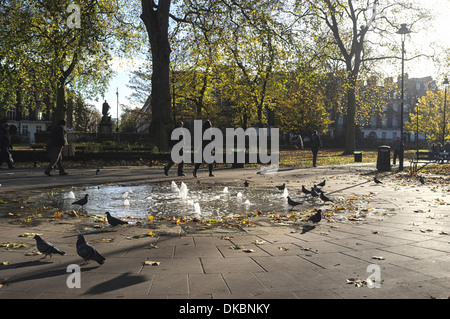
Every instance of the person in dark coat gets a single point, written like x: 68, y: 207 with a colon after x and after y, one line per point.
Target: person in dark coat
x: 206, y: 126
x: 398, y: 147
x: 55, y: 147
x: 171, y: 162
x: 5, y: 146
x: 315, y: 145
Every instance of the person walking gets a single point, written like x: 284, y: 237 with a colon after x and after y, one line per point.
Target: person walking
x: 398, y: 146
x: 5, y: 146
x: 206, y: 126
x: 171, y: 162
x: 55, y: 147
x: 315, y: 143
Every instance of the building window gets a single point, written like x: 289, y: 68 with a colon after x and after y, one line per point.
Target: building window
x: 383, y: 135
x: 25, y: 130
x: 39, y: 115
x: 12, y: 114
x: 38, y: 128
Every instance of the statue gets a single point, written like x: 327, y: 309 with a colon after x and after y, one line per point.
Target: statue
x: 105, y: 125
x: 105, y: 110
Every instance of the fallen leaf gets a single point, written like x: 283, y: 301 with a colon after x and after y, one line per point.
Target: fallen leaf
x: 4, y: 263
x: 29, y: 234
x: 283, y: 248
x: 14, y: 245
x: 378, y: 257
x: 33, y: 253
x: 236, y: 247
x: 248, y: 250
x: 259, y: 242
x: 151, y: 263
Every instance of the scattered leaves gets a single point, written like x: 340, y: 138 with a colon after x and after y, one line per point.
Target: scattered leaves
x: 29, y: 234
x: 14, y: 245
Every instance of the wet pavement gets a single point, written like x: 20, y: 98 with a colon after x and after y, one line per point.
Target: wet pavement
x: 374, y: 241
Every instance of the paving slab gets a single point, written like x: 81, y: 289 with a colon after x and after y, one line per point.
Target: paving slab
x: 402, y: 222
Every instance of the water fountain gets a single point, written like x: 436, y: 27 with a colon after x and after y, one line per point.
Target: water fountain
x: 183, y: 191
x: 170, y: 199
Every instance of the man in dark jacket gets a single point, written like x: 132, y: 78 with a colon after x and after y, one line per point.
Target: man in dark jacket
x: 5, y: 146
x: 315, y: 145
x: 55, y: 147
x: 171, y: 162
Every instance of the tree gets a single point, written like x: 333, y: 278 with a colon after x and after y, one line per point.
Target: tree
x: 52, y: 52
x: 431, y: 117
x: 156, y: 20
x: 354, y: 33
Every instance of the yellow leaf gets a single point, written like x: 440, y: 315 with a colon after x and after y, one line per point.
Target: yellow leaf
x: 151, y: 263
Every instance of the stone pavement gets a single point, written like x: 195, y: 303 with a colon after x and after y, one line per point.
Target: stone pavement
x: 402, y: 223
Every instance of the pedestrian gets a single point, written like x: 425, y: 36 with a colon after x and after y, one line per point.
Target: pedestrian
x: 171, y: 162
x: 5, y: 146
x: 298, y: 142
x: 315, y: 144
x: 55, y: 146
x: 206, y: 126
x: 398, y: 147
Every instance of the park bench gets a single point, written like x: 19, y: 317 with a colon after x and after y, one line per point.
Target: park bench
x: 427, y: 158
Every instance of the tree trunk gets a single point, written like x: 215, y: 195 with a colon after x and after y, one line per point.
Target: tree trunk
x: 350, y: 117
x: 60, y: 109
x: 156, y: 20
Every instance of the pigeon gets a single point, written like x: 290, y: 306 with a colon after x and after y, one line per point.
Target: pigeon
x: 246, y: 183
x: 305, y: 191
x: 82, y: 201
x: 321, y: 184
x: 292, y: 203
x: 87, y: 252
x: 282, y: 187
x: 314, y: 193
x: 422, y: 181
x: 377, y: 181
x: 113, y: 221
x: 97, y: 171
x: 316, y: 217
x: 317, y: 189
x: 324, y: 198
x: 47, y: 248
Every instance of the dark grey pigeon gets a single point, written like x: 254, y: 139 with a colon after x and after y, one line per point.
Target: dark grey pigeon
x: 422, y: 181
x: 97, y: 171
x: 305, y: 191
x: 87, y: 252
x: 377, y: 181
x: 82, y: 201
x: 324, y: 198
x: 316, y: 217
x: 321, y: 184
x: 113, y: 221
x: 314, y: 193
x: 293, y: 203
x: 282, y: 187
x: 47, y: 248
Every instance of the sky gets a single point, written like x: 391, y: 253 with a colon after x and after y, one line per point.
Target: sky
x: 419, y: 41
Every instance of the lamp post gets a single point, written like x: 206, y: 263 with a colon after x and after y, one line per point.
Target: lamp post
x: 445, y: 106
x: 417, y: 128
x: 117, y: 93
x: 403, y: 31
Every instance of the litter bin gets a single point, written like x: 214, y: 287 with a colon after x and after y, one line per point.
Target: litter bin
x: 384, y: 158
x: 358, y: 157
